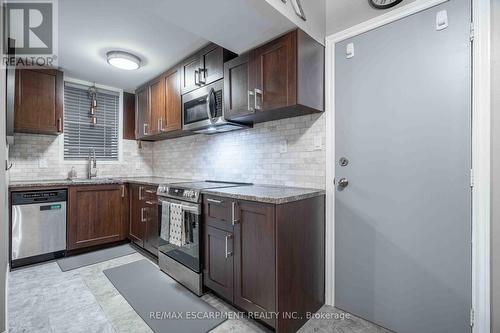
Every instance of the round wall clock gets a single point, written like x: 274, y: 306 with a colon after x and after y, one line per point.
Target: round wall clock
x: 383, y: 4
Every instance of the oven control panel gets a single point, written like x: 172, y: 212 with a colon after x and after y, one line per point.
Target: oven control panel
x: 178, y: 193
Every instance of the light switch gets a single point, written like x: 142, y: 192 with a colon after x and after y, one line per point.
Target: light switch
x: 349, y: 50
x: 283, y: 146
x: 441, y: 20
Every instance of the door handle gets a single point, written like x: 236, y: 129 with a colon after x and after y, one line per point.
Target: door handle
x: 256, y: 105
x: 343, y: 183
x: 249, y: 106
x: 234, y: 220
x: 228, y: 254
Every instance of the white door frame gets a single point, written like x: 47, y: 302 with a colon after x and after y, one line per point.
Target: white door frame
x: 480, y: 149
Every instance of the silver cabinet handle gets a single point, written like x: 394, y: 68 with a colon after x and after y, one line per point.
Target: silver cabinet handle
x: 197, y: 78
x: 234, y: 220
x: 143, y: 210
x: 228, y: 254
x: 249, y: 105
x: 150, y: 192
x: 202, y: 70
x: 59, y: 125
x: 158, y: 125
x: 161, y: 125
x: 257, y: 105
x: 145, y: 129
x: 141, y: 197
x: 214, y: 201
x: 151, y: 203
x: 123, y: 191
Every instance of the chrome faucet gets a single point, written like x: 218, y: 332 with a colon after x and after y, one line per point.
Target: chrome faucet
x: 92, y: 165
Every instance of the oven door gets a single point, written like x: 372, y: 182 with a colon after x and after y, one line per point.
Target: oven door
x: 189, y: 253
x: 203, y: 106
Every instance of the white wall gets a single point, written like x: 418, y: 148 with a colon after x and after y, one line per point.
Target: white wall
x: 342, y: 14
x: 315, y: 15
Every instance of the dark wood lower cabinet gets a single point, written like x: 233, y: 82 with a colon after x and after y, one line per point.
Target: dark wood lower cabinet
x: 144, y: 218
x: 270, y: 260
x: 96, y: 215
x: 254, y: 258
x: 218, y: 269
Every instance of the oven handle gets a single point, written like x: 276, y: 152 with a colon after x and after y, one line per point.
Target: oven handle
x: 188, y: 207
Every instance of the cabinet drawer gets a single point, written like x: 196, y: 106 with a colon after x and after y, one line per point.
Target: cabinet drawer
x: 218, y: 212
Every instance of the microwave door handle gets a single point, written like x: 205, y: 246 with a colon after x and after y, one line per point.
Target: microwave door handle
x: 209, y: 109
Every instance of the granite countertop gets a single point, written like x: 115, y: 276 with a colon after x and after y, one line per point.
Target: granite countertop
x: 266, y: 193
x: 94, y: 181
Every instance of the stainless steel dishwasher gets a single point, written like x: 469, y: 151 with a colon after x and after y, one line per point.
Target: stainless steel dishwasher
x: 38, y: 226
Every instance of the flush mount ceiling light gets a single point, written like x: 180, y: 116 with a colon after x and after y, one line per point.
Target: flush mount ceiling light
x: 123, y: 60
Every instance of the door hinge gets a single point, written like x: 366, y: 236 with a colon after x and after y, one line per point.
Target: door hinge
x: 471, y: 317
x: 471, y: 33
x: 471, y: 178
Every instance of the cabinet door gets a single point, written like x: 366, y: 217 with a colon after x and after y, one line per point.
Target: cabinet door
x: 254, y: 258
x: 95, y: 215
x: 239, y: 100
x: 190, y: 74
x: 218, y: 266
x: 152, y: 234
x: 39, y: 101
x: 157, y: 105
x: 275, y: 73
x: 173, y: 116
x: 137, y: 224
x: 212, y: 64
x: 142, y: 112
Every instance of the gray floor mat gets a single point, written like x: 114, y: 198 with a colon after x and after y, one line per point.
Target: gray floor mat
x: 81, y: 260
x: 155, y: 296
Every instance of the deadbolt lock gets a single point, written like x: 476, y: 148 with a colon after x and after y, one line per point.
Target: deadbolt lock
x: 343, y: 161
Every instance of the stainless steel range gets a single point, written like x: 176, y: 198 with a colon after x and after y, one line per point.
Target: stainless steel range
x: 179, y: 253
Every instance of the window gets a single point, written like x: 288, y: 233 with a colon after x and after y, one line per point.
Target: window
x: 80, y: 136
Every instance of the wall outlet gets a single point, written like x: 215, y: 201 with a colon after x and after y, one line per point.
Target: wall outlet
x: 318, y: 142
x: 43, y: 164
x: 283, y: 146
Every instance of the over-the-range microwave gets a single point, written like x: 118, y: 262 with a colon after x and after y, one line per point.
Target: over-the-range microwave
x: 203, y: 110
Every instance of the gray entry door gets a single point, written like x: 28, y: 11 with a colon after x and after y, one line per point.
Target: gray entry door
x: 403, y: 222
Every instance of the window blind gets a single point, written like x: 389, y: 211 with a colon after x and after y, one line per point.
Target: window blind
x: 80, y: 136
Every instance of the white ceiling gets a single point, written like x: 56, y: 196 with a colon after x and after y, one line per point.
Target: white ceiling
x: 160, y: 32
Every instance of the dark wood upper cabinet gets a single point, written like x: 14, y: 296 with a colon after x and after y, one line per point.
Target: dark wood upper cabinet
x: 238, y: 98
x: 142, y: 112
x: 190, y: 70
x: 39, y: 98
x: 157, y: 105
x: 204, y: 67
x: 266, y: 258
x: 286, y: 79
x: 96, y: 215
x: 128, y: 116
x: 173, y: 112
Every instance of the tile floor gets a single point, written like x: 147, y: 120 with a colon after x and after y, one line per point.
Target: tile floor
x: 43, y: 299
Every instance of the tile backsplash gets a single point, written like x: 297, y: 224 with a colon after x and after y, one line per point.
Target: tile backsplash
x: 283, y: 152
x: 38, y: 157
